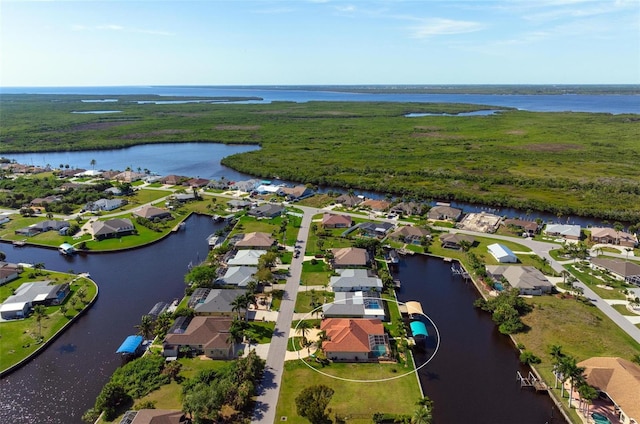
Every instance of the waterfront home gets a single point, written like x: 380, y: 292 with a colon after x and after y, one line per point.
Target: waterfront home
x: 155, y: 416
x: 197, y: 182
x: 152, y: 212
x: 355, y: 340
x: 239, y: 276
x: 112, y: 228
x: 68, y: 173
x: 173, y: 179
x: 410, y: 235
x: 293, y: 194
x: 9, y: 272
x: 407, y: 209
x: 566, y: 231
x: 115, y: 191
x: 256, y: 240
x: 183, y: 197
x: 349, y: 200
x: 619, y: 379
x: 376, y: 205
x: 530, y: 228
x: 43, y: 227
x: 246, y: 257
x: 221, y: 184
x: 31, y: 294
x: 90, y: 173
x: 353, y: 280
x: 444, y: 213
x: 453, y: 240
x: 103, y: 205
x: 375, y: 229
x: 129, y: 176
x: 357, y: 304
x: 628, y: 271
x: 612, y: 236
x: 266, y: 210
x: 208, y: 336
x: 239, y: 205
x: 527, y: 279
x: 247, y: 186
x: 330, y: 220
x: 217, y: 302
x: 482, y: 222
x: 502, y: 253
x: 350, y: 257
x: 110, y: 175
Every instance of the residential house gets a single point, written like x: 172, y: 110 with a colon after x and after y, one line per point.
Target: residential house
x: 502, y: 253
x: 296, y: 193
x: 330, y: 220
x: 112, y: 228
x: 349, y: 200
x: 70, y: 186
x: 31, y: 294
x: 611, y: 236
x: 91, y: 173
x: 355, y: 340
x: 266, y: 210
x: 527, y: 279
x: 247, y: 186
x: 481, y: 222
x: 183, y: 197
x: 619, y: 379
x: 444, y: 213
x: 566, y: 231
x: 355, y: 305
x: 104, y: 205
x: 350, y: 257
x: 43, y: 227
x: 410, y: 235
x: 152, y: 212
x: 197, y: 182
x: 218, y: 302
x: 353, y: 280
x: 68, y: 173
x: 628, y: 271
x: 9, y: 272
x: 42, y: 201
x: 407, y: 208
x: 530, y: 228
x: 129, y: 176
x: 376, y: 205
x: 155, y: 416
x: 239, y: 276
x: 377, y: 229
x: 173, y: 179
x: 238, y: 205
x: 110, y: 175
x: 453, y: 240
x: 207, y: 336
x: 256, y: 240
x: 267, y: 188
x: 115, y: 191
x: 246, y: 257
x: 221, y: 184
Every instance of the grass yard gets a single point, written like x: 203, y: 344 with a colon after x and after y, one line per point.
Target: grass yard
x: 306, y: 299
x: 317, y: 201
x: 623, y: 310
x: 315, y: 275
x: 357, y: 401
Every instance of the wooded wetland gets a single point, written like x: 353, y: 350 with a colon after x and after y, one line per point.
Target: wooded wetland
x: 565, y: 163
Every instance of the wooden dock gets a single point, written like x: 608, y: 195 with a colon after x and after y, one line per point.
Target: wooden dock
x: 531, y: 381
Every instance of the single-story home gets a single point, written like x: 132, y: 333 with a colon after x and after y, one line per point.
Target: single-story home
x: 197, y: 182
x: 246, y: 257
x: 527, y: 279
x: 151, y: 212
x: 238, y: 205
x: 355, y: 305
x: 352, y: 280
x: 349, y: 200
x: 355, y: 340
x: 619, y: 379
x: 502, y: 253
x: 43, y: 227
x: 112, y: 228
x: 410, y: 235
x: 129, y: 176
x: 331, y: 220
x: 239, y: 276
x: 8, y: 272
x: 155, y: 416
x: 247, y: 186
x: 530, y: 227
x: 104, y: 205
x: 567, y: 231
x: 623, y: 270
x: 183, y: 197
x: 221, y: 184
x: 407, y: 208
x: 40, y: 201
x: 375, y: 229
x: 207, y: 336
x: 444, y: 213
x: 173, y: 179
x: 376, y: 205
x: 350, y: 257
x: 295, y: 193
x: 611, y: 236
x: 453, y: 240
x: 481, y: 222
x: 218, y: 302
x: 31, y: 294
x: 256, y: 240
x: 114, y: 191
x: 266, y: 210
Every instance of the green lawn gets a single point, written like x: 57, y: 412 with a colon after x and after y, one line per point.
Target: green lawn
x: 315, y: 275
x: 357, y: 401
x: 623, y: 310
x: 304, y: 299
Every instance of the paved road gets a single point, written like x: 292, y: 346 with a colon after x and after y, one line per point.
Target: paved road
x: 269, y: 390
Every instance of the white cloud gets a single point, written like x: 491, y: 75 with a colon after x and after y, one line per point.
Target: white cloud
x: 439, y: 26
x: 119, y: 28
x: 346, y: 8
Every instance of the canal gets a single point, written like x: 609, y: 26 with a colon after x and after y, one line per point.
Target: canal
x: 63, y: 382
x: 472, y: 377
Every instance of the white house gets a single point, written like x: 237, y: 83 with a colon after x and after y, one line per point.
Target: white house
x: 502, y: 253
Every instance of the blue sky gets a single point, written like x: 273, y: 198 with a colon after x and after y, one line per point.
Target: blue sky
x: 280, y: 42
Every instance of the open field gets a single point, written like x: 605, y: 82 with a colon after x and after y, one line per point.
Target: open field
x: 564, y: 163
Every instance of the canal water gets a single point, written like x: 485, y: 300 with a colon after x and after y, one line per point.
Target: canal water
x: 63, y: 382
x: 472, y: 377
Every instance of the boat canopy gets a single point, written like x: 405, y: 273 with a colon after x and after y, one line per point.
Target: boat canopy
x: 418, y: 329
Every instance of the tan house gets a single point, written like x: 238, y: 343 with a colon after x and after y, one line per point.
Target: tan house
x: 410, y: 235
x: 620, y: 380
x: 330, y: 220
x: 452, y: 241
x: 151, y: 212
x: 156, y: 416
x: 355, y: 340
x: 349, y: 200
x: 256, y: 240
x: 529, y: 227
x: 610, y: 236
x: 376, y: 205
x: 204, y: 335
x: 628, y: 271
x: 442, y: 212
x: 350, y: 257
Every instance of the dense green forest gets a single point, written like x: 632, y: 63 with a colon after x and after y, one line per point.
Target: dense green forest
x: 564, y: 163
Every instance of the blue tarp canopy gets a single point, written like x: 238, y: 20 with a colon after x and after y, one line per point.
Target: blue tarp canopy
x: 418, y: 329
x: 130, y: 345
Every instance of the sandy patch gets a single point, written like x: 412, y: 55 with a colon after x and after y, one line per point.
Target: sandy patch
x: 516, y: 132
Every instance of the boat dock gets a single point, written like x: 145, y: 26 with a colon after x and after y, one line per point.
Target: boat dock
x: 19, y: 243
x: 531, y: 381
x: 459, y: 270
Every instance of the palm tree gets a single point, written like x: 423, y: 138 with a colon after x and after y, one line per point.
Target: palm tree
x: 239, y: 303
x: 588, y: 394
x: 557, y: 355
x: 423, y: 413
x: 302, y: 328
x: 63, y: 310
x: 145, y: 328
x: 39, y: 312
x: 93, y: 163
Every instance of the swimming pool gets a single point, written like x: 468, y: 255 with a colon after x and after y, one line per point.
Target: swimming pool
x: 600, y: 419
